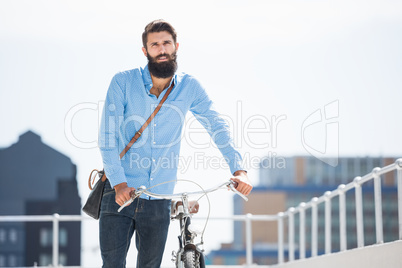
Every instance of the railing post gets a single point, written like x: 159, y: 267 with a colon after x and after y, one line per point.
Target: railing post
x: 291, y: 232
x: 399, y: 174
x: 55, y: 253
x: 249, y: 246
x: 328, y: 223
x: 378, y: 206
x: 359, y: 212
x: 280, y: 238
x: 302, y: 231
x: 342, y: 217
x: 314, y: 227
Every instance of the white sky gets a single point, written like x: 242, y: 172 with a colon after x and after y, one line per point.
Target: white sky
x: 257, y: 59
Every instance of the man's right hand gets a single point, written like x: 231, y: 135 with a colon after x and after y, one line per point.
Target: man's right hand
x: 123, y: 193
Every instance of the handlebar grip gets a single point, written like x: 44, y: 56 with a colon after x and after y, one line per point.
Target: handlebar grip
x: 128, y: 202
x: 232, y: 185
x: 134, y: 195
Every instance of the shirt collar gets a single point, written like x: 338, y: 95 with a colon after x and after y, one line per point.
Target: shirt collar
x: 146, y: 77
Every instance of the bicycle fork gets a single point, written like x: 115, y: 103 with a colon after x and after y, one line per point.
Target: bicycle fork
x: 188, y: 255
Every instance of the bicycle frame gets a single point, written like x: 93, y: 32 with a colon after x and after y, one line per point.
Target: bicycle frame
x: 189, y: 255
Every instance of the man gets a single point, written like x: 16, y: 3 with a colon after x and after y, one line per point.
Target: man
x: 151, y: 161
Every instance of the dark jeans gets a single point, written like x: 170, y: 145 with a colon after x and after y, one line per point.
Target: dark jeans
x: 148, y: 218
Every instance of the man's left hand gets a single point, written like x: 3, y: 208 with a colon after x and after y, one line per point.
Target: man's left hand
x: 243, y: 183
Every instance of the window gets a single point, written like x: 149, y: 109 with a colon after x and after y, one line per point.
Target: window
x: 45, y: 237
x: 63, y: 259
x: 351, y: 172
x: 2, y: 260
x: 63, y: 237
x: 364, y: 167
x: 45, y: 259
x: 12, y: 260
x: 13, y: 235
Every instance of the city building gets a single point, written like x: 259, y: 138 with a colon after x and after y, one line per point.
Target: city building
x: 35, y: 179
x: 286, y: 182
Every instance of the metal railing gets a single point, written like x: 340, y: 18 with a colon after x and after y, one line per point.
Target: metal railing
x: 326, y: 198
x: 280, y: 218
x: 56, y: 219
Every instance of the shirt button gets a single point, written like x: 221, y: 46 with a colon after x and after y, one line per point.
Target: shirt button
x: 152, y: 179
x: 154, y: 125
x: 153, y: 159
x: 154, y: 142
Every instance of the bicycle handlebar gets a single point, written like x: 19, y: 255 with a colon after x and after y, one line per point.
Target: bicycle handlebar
x: 142, y: 190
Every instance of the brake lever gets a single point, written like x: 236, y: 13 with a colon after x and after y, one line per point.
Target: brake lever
x: 136, y: 194
x: 232, y: 185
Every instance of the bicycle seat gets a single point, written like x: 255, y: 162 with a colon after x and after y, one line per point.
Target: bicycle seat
x: 177, y: 207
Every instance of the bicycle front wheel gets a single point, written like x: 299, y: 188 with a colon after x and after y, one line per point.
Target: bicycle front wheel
x: 191, y: 259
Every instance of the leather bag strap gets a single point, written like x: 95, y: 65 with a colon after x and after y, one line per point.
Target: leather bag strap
x: 91, y: 180
x: 144, y: 126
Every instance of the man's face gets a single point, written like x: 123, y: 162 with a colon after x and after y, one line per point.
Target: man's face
x: 161, y: 54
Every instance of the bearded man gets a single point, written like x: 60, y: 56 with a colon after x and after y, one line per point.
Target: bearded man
x: 131, y: 98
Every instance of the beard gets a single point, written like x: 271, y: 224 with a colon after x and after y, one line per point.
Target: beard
x: 164, y: 69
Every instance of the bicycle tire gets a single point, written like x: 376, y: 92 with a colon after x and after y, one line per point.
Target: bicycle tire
x: 191, y: 259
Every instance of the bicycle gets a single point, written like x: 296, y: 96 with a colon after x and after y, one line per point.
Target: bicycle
x: 189, y: 254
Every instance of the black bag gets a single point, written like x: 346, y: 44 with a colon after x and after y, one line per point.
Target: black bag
x: 92, y: 206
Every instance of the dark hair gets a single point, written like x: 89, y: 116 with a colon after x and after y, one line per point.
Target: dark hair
x: 155, y: 27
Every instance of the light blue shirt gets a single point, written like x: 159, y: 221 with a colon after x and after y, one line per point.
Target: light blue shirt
x: 154, y: 158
